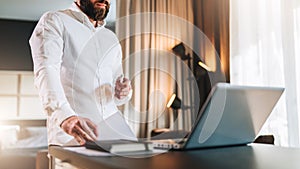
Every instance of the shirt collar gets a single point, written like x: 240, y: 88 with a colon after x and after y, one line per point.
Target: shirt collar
x: 82, y: 17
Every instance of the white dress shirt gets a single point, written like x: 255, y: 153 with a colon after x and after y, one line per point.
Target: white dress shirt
x: 75, y: 66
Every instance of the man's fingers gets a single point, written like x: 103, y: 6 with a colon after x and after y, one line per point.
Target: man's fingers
x: 121, y: 95
x: 127, y: 89
x: 126, y: 82
x: 122, y: 92
x: 93, y: 127
x: 122, y: 89
x: 82, y: 133
x: 82, y: 129
x: 122, y: 85
x: 90, y: 123
x: 89, y: 130
x: 69, y: 124
x: 78, y: 138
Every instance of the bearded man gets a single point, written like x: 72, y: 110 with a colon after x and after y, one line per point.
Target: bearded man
x: 78, y: 71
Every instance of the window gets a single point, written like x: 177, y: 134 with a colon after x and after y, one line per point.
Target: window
x: 265, y: 51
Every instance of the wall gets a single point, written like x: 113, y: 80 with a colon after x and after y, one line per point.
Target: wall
x: 14, y: 47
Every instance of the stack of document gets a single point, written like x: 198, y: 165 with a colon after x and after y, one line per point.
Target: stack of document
x: 119, y: 146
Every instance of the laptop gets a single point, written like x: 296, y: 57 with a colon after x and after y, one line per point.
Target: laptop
x: 231, y: 115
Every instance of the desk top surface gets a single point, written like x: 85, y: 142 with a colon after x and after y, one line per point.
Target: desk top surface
x: 247, y: 157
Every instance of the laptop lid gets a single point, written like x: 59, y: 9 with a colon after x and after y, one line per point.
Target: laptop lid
x: 232, y: 115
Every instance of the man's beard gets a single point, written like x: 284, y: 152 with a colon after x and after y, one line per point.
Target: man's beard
x: 97, y: 14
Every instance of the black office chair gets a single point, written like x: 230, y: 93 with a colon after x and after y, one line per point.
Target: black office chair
x: 265, y: 139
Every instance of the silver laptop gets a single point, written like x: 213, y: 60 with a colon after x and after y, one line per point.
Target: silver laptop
x: 231, y: 115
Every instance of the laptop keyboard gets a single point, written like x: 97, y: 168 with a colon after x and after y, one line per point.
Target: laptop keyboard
x: 168, y: 143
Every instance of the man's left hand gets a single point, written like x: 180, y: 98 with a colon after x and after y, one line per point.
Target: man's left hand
x: 122, y: 88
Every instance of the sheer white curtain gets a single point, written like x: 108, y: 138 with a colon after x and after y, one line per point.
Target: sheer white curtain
x: 148, y: 29
x: 265, y: 51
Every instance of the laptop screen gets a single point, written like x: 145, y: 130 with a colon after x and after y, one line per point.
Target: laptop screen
x: 232, y: 115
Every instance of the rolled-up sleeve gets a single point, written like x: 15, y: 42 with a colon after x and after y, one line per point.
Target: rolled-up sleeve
x: 117, y: 72
x: 47, y: 51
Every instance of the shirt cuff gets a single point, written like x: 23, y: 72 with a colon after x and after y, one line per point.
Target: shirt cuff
x: 62, y: 113
x: 120, y: 102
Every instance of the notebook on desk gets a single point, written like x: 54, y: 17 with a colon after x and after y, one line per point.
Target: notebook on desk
x: 231, y: 115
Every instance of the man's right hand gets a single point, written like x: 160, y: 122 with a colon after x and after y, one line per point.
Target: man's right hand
x: 82, y: 129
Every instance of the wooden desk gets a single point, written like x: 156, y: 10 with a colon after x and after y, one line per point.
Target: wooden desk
x: 254, y: 156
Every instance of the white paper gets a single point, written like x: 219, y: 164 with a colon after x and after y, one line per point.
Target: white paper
x: 88, y: 152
